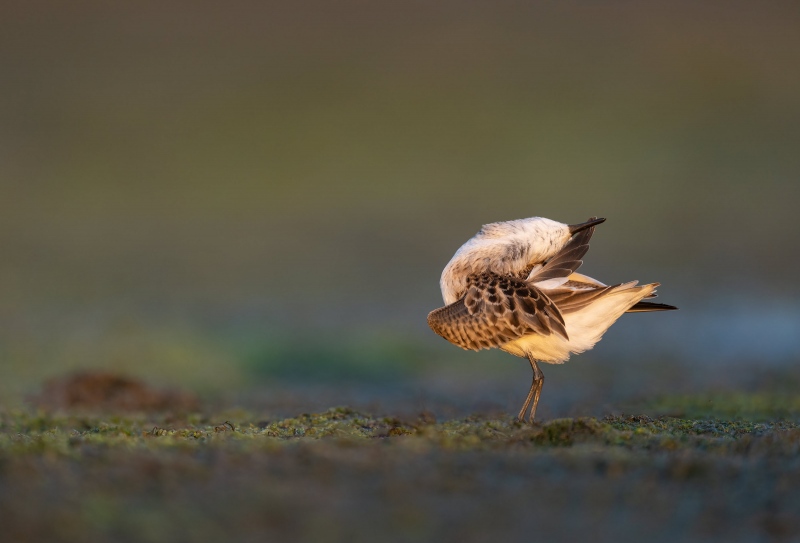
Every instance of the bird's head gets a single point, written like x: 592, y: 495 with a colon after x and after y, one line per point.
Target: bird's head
x: 507, y: 248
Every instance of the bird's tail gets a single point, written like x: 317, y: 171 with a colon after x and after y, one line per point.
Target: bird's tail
x: 646, y: 307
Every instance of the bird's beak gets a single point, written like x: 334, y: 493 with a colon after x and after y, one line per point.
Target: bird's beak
x: 575, y: 228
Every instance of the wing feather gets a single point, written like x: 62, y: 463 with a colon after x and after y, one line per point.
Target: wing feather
x: 568, y: 300
x: 566, y: 261
x: 495, y: 310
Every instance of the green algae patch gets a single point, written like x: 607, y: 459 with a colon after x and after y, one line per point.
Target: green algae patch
x: 32, y: 433
x: 337, y: 422
x: 566, y: 432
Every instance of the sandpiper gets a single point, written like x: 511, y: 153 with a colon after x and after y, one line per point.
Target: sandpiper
x: 514, y: 286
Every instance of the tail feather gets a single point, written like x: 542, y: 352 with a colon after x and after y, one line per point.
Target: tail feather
x: 646, y: 307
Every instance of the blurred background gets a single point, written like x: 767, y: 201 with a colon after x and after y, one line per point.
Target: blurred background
x: 255, y: 202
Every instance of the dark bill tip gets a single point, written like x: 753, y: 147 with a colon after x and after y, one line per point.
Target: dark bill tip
x: 594, y: 221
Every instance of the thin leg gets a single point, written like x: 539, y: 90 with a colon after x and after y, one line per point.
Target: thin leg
x: 533, y: 393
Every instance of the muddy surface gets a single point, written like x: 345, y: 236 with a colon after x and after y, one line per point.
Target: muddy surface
x: 347, y: 475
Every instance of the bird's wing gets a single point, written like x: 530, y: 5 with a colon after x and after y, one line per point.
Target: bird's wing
x: 564, y: 263
x: 574, y: 296
x: 495, y: 310
x: 580, y: 278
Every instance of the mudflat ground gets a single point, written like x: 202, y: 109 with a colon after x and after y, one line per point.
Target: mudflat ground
x: 694, y: 468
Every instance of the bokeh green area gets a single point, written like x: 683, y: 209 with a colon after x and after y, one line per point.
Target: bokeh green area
x: 223, y: 198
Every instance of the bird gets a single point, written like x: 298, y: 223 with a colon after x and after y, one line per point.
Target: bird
x: 515, y: 286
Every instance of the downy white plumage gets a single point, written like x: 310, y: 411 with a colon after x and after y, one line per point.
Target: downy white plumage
x: 514, y: 286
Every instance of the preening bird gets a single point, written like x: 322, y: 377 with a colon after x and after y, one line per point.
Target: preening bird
x: 514, y: 285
